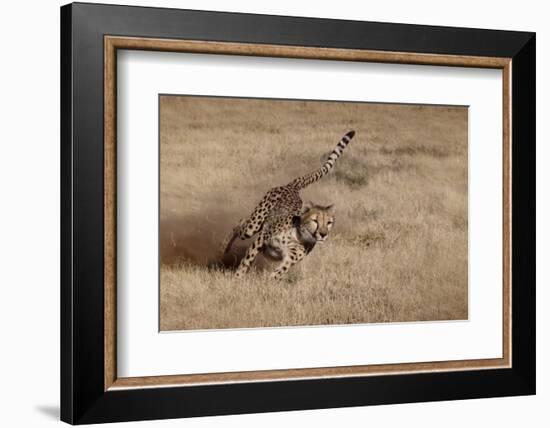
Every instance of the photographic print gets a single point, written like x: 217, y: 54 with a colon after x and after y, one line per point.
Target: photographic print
x: 300, y: 213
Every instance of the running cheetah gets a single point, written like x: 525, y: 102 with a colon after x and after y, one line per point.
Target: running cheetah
x: 278, y: 220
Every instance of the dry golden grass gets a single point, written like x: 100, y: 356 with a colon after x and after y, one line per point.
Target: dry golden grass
x: 399, y: 248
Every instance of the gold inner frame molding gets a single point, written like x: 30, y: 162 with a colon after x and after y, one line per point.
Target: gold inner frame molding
x: 113, y: 43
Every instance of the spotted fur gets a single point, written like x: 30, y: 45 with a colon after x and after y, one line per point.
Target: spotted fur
x: 279, y: 212
x: 291, y: 246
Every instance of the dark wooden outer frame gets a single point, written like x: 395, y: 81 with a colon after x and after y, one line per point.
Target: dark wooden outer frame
x: 88, y: 32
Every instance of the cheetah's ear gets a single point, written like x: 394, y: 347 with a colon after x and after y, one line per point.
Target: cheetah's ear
x: 329, y: 208
x: 307, y: 206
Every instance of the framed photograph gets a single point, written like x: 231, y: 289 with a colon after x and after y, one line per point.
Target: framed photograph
x: 266, y: 213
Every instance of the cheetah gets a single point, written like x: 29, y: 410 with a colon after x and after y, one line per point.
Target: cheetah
x: 279, y: 217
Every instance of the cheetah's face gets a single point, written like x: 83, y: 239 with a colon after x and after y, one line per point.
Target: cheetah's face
x: 318, y: 221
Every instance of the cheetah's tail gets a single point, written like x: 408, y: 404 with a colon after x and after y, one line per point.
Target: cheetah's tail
x: 312, y: 177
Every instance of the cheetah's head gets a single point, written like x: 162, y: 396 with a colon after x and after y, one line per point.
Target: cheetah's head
x: 317, y: 220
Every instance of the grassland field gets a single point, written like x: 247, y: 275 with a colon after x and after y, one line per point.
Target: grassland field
x: 398, y: 251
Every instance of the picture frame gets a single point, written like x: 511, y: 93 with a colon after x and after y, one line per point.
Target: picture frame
x: 91, y: 390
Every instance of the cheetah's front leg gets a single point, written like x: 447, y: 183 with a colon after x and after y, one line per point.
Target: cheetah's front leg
x: 291, y: 257
x: 251, y: 254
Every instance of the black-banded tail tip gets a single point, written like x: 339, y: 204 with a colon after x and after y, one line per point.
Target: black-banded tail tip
x: 350, y: 134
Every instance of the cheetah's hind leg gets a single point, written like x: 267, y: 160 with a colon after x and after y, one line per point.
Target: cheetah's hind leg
x: 230, y: 238
x: 255, y: 222
x: 251, y: 254
x: 249, y: 227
